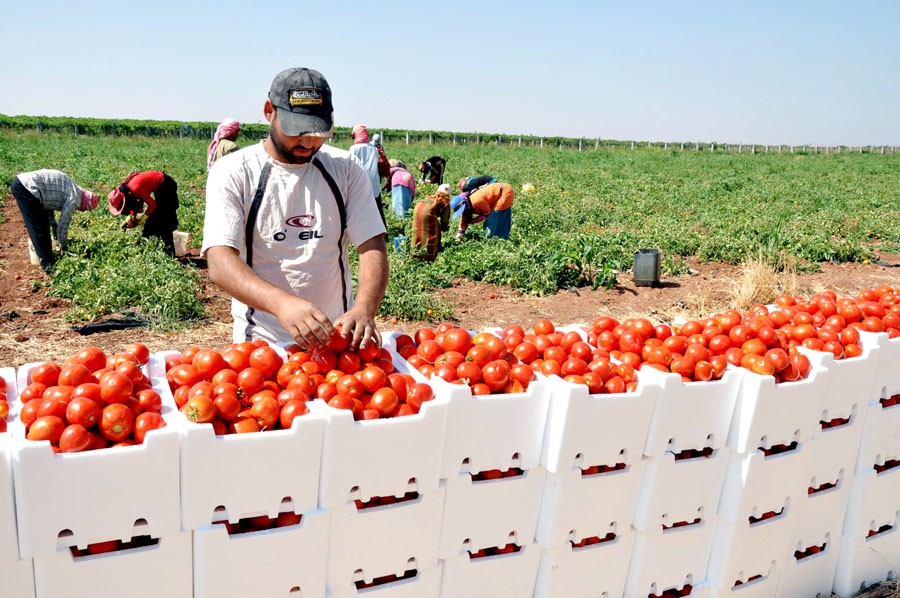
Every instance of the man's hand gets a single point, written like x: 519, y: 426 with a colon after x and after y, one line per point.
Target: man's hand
x: 305, y: 322
x: 359, y: 327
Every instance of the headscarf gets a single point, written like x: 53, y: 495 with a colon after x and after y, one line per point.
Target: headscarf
x: 376, y: 139
x: 116, y: 201
x: 227, y: 127
x: 360, y: 134
x: 89, y: 200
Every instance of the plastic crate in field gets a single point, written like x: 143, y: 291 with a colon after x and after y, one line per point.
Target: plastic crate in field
x: 581, y: 503
x: 887, y: 374
x: 509, y: 575
x: 880, y: 439
x: 809, y: 570
x: 271, y: 562
x: 690, y: 415
x: 367, y: 543
x: 163, y: 569
x: 117, y: 488
x: 18, y: 578
x: 490, y: 512
x: 874, y: 501
x: 413, y: 584
x: 591, y: 569
x: 824, y: 505
x: 583, y: 430
x: 9, y: 539
x: 850, y: 381
x: 867, y: 561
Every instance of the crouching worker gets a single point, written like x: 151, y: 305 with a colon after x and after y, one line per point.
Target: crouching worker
x: 149, y: 198
x: 491, y: 203
x: 430, y: 217
x: 39, y: 194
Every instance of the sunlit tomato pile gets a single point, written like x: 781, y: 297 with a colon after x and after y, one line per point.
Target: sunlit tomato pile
x: 250, y: 387
x: 4, y: 405
x: 92, y: 401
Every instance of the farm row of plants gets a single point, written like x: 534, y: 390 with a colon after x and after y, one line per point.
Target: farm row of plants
x: 589, y: 213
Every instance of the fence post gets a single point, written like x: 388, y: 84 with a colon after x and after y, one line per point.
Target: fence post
x: 542, y: 142
x: 697, y: 146
x: 712, y: 146
x: 740, y: 148
x: 597, y: 143
x: 520, y: 141
x: 632, y: 145
x: 579, y: 145
x: 682, y: 146
x: 498, y: 140
x: 454, y: 139
x: 407, y: 138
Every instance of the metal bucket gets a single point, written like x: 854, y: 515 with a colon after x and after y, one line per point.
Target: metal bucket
x: 646, y: 267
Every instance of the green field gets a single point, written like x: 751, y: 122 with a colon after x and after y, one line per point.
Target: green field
x: 591, y: 211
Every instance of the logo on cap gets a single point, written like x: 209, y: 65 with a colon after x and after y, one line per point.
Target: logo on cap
x: 305, y: 96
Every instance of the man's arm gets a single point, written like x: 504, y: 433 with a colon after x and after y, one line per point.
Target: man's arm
x: 304, y: 321
x: 372, y: 283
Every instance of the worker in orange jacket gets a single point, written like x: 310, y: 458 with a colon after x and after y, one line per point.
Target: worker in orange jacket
x: 491, y: 203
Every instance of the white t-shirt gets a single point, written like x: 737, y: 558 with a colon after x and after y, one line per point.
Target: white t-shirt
x: 367, y: 154
x: 296, y: 244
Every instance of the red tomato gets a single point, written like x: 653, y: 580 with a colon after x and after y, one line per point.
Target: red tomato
x: 265, y: 411
x: 140, y: 351
x: 83, y: 411
x: 496, y: 374
x: 291, y: 410
x: 90, y: 357
x: 182, y: 375
x: 385, y: 400
x: 373, y: 378
x: 116, y: 422
x: 208, y: 363
x: 149, y: 400
x: 115, y: 387
x: 75, y: 438
x: 51, y: 406
x: 419, y: 393
x: 74, y: 374
x: 146, y: 422
x: 46, y: 428
x: 46, y: 374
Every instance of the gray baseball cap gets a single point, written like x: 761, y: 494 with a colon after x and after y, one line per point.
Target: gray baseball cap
x: 303, y: 99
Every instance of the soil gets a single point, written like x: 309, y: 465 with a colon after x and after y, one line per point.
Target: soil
x: 33, y: 326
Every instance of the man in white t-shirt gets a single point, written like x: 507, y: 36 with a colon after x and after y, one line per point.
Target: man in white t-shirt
x: 300, y: 203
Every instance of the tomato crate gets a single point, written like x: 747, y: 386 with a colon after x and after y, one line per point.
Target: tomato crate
x: 680, y: 489
x: 830, y: 476
x: 866, y: 561
x: 809, y: 570
x: 490, y: 512
x: 492, y: 431
x: 887, y: 373
x: 381, y: 457
x: 234, y: 476
x: 9, y: 543
x: 369, y: 542
x: 584, y: 429
x: 162, y: 569
x: 880, y: 439
x: 18, y: 578
x: 271, y: 562
x: 589, y: 569
x: 770, y: 413
x: 689, y: 415
x: 874, y: 500
x: 414, y: 584
x: 582, y: 502
x: 117, y: 488
x: 510, y: 575
x: 671, y: 558
x: 749, y: 583
x: 850, y: 382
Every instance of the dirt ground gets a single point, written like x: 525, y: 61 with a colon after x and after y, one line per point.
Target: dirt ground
x: 33, y: 328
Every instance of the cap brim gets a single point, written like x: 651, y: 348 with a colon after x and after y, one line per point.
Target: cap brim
x: 295, y: 125
x: 458, y: 212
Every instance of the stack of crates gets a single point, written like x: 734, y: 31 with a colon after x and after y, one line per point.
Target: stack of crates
x: 67, y: 502
x: 686, y: 458
x: 870, y: 544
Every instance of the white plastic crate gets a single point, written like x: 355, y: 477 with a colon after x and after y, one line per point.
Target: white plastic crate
x: 116, y: 488
x: 874, y: 501
x: 742, y: 550
x: 591, y: 570
x: 831, y: 473
x: 425, y: 584
x: 17, y: 578
x: 576, y: 505
x: 374, y: 542
x: 887, y: 374
x: 265, y: 563
x: 381, y: 457
x: 149, y: 572
x: 677, y: 490
x: 670, y: 558
x: 813, y: 574
x: 584, y: 429
x: 850, y: 381
x: 776, y: 413
x: 690, y: 415
x: 285, y: 464
x: 479, y: 514
x: 509, y: 575
x: 753, y: 584
x: 867, y: 561
x: 9, y: 542
x: 485, y: 432
x: 880, y: 439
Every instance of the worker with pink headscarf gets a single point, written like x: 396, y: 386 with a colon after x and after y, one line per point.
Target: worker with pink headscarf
x: 223, y: 141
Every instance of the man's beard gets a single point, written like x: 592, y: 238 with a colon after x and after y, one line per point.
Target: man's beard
x: 289, y: 158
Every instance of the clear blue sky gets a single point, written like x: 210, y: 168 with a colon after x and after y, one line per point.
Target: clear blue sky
x: 793, y: 72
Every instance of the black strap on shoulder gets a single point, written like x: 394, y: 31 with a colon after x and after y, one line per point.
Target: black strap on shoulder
x: 342, y: 210
x: 248, y: 233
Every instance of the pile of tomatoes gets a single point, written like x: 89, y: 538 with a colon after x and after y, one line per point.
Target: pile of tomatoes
x: 250, y: 387
x: 91, y: 401
x: 4, y: 405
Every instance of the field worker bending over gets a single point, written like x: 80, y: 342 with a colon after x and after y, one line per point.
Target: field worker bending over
x: 223, y: 142
x: 367, y: 154
x: 280, y: 216
x: 403, y: 187
x: 40, y: 193
x: 149, y: 198
x: 432, y: 170
x: 471, y: 183
x: 431, y: 217
x: 492, y: 200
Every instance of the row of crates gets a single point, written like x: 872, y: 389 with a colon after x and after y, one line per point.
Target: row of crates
x: 738, y: 486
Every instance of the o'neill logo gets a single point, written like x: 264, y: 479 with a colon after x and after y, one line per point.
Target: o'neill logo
x: 302, y: 221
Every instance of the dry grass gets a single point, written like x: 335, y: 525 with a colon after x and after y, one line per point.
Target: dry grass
x: 887, y: 589
x: 762, y: 281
